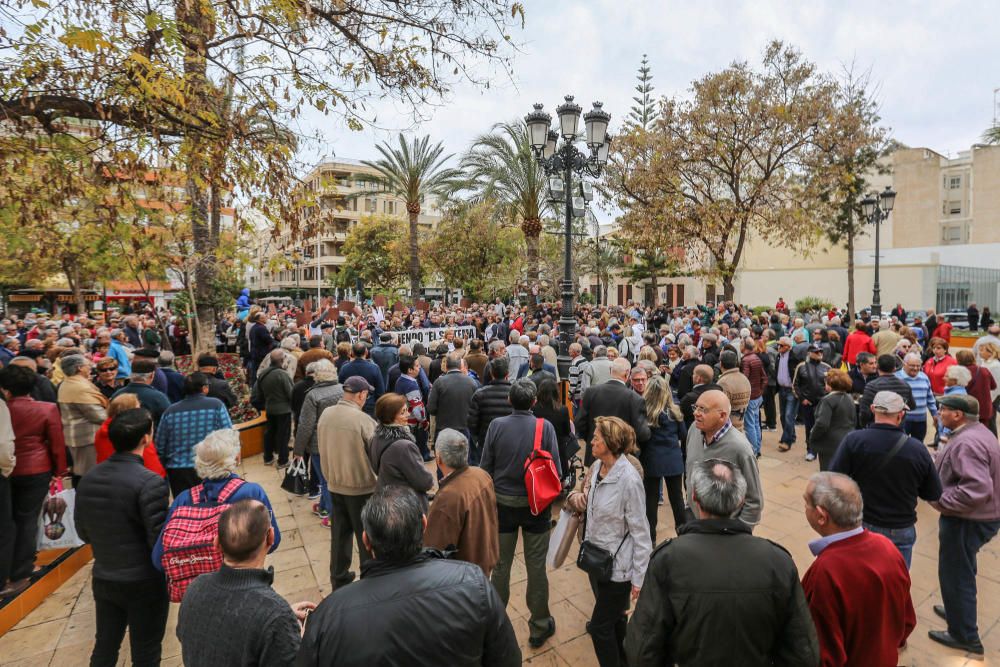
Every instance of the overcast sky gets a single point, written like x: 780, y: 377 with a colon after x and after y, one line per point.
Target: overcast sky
x: 935, y: 63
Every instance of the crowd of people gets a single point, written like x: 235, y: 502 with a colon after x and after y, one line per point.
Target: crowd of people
x: 662, y: 405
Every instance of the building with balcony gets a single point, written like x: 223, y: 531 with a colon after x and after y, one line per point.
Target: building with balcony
x: 310, y: 261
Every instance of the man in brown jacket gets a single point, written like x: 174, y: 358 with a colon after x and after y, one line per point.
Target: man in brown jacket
x: 463, y: 515
x: 344, y: 436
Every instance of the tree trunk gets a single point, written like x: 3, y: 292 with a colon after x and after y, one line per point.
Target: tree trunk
x: 194, y: 27
x: 850, y: 275
x: 531, y: 243
x: 656, y: 289
x: 413, y: 208
x: 72, y: 271
x: 728, y: 288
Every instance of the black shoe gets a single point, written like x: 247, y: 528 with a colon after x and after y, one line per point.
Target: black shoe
x: 939, y: 610
x: 536, y: 642
x: 942, y: 637
x: 268, y: 462
x: 588, y: 627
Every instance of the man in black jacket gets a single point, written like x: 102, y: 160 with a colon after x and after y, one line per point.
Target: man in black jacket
x: 809, y: 387
x: 120, y: 508
x: 360, y: 625
x: 702, y: 377
x: 218, y: 608
x: 715, y: 569
x: 217, y: 385
x: 886, y: 381
x: 613, y: 398
x: 451, y: 396
x: 488, y: 403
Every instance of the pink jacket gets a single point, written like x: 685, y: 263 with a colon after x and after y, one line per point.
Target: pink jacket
x: 969, y: 468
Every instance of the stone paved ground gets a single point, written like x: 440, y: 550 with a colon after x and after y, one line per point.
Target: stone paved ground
x: 60, y: 631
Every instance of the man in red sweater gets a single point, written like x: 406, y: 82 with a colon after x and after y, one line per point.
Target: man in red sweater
x: 858, y: 588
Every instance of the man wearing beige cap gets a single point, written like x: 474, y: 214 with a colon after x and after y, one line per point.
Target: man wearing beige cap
x: 892, y: 469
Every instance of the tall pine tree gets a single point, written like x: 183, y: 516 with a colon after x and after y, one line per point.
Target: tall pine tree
x: 643, y: 112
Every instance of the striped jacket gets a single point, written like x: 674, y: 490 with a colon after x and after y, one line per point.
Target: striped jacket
x: 923, y: 396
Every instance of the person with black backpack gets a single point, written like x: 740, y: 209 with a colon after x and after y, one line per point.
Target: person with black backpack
x: 120, y: 508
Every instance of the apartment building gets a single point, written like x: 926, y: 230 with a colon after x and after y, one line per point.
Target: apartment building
x: 311, y: 261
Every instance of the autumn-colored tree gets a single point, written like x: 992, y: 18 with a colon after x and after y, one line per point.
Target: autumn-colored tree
x: 737, y: 158
x: 851, y: 150
x: 176, y: 82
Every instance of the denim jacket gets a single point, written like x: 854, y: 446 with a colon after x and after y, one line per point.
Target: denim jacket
x: 616, y: 509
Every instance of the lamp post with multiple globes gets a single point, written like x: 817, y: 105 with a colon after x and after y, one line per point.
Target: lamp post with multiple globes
x: 876, y: 208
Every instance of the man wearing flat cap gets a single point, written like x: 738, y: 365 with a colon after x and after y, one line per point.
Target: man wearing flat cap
x: 969, y: 468
x: 892, y: 469
x: 344, y: 437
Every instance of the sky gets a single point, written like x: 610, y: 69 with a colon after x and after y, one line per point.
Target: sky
x: 933, y: 63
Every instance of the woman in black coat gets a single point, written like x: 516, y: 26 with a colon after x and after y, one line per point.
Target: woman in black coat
x: 661, y: 456
x: 835, y: 417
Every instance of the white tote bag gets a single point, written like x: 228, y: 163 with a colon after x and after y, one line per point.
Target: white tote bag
x: 561, y: 538
x: 56, y: 529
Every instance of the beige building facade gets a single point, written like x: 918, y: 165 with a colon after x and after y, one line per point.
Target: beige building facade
x: 940, y: 247
x: 312, y: 260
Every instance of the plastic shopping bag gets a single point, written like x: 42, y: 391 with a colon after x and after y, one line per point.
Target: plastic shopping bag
x: 561, y: 538
x: 56, y: 529
x: 296, y: 479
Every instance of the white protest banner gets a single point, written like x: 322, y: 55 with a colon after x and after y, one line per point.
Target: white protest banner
x: 431, y: 336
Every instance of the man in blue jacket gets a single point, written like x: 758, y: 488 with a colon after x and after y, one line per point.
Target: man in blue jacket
x: 360, y: 365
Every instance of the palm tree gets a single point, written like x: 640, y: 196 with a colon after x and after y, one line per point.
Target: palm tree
x: 413, y: 171
x: 501, y: 167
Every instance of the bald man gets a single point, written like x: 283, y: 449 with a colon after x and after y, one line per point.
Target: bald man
x: 703, y: 377
x: 613, y: 398
x: 713, y: 437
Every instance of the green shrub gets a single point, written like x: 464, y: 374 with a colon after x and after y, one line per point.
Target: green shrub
x: 807, y: 303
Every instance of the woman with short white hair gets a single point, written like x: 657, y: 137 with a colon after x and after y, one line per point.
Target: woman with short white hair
x: 216, y: 461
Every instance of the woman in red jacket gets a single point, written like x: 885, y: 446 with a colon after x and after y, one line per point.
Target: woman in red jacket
x: 40, y: 451
x: 981, y: 386
x: 937, y: 364
x: 102, y: 443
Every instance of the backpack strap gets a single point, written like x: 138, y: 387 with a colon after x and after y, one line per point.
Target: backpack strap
x: 196, y: 494
x: 539, y: 424
x: 229, y: 489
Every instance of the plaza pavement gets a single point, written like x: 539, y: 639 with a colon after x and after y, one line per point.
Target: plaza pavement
x: 60, y: 632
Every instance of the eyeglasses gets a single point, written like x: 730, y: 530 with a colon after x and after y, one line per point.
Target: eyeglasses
x: 700, y: 409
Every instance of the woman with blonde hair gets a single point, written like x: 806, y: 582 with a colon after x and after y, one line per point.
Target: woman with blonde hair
x: 661, y: 456
x: 989, y: 353
x: 616, y: 532
x: 216, y: 460
x: 102, y: 443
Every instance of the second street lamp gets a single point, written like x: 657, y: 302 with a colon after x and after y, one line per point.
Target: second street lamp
x: 560, y: 162
x: 876, y: 208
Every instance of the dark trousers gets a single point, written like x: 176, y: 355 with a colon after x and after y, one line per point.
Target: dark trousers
x: 8, y: 530
x: 959, y: 540
x: 608, y: 621
x: 808, y: 414
x: 770, y: 408
x: 27, y: 493
x: 675, y: 494
x: 513, y: 515
x: 345, y: 526
x: 789, y: 406
x: 141, y: 607
x: 181, y: 479
x: 276, y: 435
x: 915, y: 428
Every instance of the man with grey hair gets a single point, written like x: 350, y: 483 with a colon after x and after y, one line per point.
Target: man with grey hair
x: 509, y: 442
x: 517, y: 352
x: 577, y: 365
x: 325, y: 392
x: 274, y: 389
x: 119, y: 353
x: 141, y: 384
x: 716, y: 569
x: 175, y: 379
x: 597, y: 371
x: 611, y: 399
x: 451, y: 396
x: 463, y: 515
x: 858, y: 588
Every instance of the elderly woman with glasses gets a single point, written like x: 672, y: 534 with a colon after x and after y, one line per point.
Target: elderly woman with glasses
x: 216, y: 460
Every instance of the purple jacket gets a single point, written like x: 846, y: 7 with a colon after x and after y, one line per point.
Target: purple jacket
x: 969, y: 468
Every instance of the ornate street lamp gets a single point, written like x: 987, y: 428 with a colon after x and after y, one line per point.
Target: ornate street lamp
x: 876, y: 208
x: 560, y: 163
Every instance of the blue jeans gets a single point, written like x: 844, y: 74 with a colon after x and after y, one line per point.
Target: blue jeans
x: 959, y: 541
x: 751, y: 423
x: 789, y: 406
x: 903, y: 538
x: 316, y: 471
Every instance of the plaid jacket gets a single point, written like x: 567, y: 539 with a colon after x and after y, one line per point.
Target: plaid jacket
x: 184, y: 425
